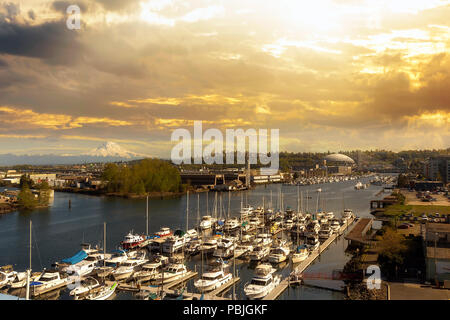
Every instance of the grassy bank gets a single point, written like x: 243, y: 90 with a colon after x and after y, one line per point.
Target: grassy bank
x: 400, y: 209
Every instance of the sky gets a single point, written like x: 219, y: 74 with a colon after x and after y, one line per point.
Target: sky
x: 329, y: 74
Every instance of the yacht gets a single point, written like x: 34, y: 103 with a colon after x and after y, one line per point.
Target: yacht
x: 171, y: 273
x: 164, y: 232
x: 300, y: 254
x: 148, y: 272
x: 329, y: 215
x: 231, y: 224
x: 206, y: 223
x: 127, y: 268
x: 85, y: 266
x: 325, y: 231
x: 102, y: 293
x: 209, y: 246
x: 259, y: 252
x: 116, y: 257
x: 278, y: 254
x: 7, y: 274
x: 312, y: 228
x: 313, y: 243
x: 214, y: 278
x: 348, y: 214
x: 289, y: 224
x: 242, y: 250
x: 264, y: 239
x: 132, y: 241
x: 19, y: 280
x: 47, y: 281
x: 193, y: 247
x: 262, y: 283
x: 335, y: 225
x: 246, y: 211
x: 172, y: 244
x: 85, y: 286
x: 225, y: 248
x: 255, y: 222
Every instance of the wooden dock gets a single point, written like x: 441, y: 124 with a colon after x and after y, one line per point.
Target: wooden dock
x: 284, y: 284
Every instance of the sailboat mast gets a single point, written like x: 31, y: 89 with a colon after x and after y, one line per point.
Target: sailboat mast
x: 104, y: 243
x: 146, y: 214
x: 31, y: 224
x: 187, y: 211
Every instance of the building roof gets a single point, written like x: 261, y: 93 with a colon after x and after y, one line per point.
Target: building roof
x: 337, y: 157
x: 438, y: 253
x: 438, y: 227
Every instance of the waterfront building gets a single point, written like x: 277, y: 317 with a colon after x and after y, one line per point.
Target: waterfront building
x: 436, y: 238
x: 438, y: 168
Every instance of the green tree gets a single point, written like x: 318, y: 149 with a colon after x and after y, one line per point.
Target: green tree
x: 26, y: 198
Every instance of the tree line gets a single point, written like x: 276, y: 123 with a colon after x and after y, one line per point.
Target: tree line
x: 148, y: 175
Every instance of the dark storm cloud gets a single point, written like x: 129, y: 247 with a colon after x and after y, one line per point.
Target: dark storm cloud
x: 32, y: 15
x: 8, y: 11
x: 51, y: 42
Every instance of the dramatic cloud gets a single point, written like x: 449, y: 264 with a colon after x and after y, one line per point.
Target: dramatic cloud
x: 330, y: 74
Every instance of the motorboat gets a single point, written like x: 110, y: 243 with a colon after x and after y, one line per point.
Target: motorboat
x: 335, y: 225
x: 102, y: 293
x: 216, y: 276
x: 164, y: 232
x: 259, y: 252
x: 264, y: 239
x: 231, y: 224
x: 19, y: 280
x: 193, y: 247
x: 172, y: 273
x: 329, y: 215
x: 262, y: 283
x: 127, y: 268
x: 246, y: 211
x: 173, y: 244
x: 85, y: 286
x: 289, y: 224
x: 313, y: 243
x: 348, y: 214
x: 242, y: 250
x: 190, y: 235
x: 148, y: 272
x: 255, y: 222
x: 325, y: 231
x: 47, y: 281
x: 206, y: 223
x: 300, y: 254
x: 132, y: 241
x: 7, y: 274
x: 209, y: 245
x: 225, y: 248
x: 278, y: 254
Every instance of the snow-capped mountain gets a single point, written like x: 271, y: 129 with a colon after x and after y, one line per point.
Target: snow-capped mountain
x: 112, y: 149
x: 107, y: 152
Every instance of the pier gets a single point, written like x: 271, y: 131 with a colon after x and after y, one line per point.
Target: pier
x: 168, y: 289
x: 285, y: 283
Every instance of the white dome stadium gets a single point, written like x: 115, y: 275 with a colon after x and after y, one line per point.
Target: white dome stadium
x: 337, y: 157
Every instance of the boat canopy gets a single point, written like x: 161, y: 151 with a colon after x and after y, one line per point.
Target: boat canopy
x: 179, y: 233
x: 79, y: 256
x: 303, y: 246
x: 220, y: 222
x: 244, y: 223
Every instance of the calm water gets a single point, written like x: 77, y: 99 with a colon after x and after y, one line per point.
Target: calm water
x: 58, y: 231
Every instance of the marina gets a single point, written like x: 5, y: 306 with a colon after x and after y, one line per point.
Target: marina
x: 183, y: 286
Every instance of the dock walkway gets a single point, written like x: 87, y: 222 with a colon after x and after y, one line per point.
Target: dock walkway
x: 284, y: 284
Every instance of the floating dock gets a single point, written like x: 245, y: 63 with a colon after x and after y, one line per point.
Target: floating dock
x: 284, y: 284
